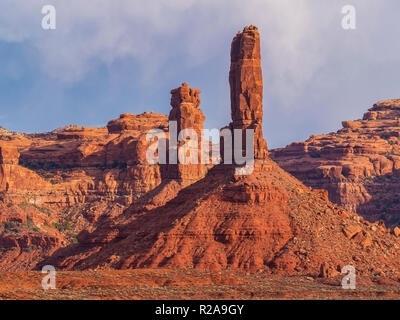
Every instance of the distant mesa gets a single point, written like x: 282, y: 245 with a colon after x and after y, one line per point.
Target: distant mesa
x: 142, y: 122
x: 359, y: 165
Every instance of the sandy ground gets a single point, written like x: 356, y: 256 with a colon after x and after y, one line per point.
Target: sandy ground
x: 187, y: 284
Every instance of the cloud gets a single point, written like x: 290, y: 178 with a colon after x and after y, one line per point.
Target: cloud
x: 309, y: 62
x: 153, y: 32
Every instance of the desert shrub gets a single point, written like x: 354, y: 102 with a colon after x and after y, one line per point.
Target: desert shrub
x: 30, y: 248
x: 315, y: 155
x: 11, y: 226
x: 23, y: 205
x: 62, y: 227
x: 31, y: 225
x: 119, y: 164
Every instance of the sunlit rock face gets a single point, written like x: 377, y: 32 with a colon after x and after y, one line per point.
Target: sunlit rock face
x: 245, y: 79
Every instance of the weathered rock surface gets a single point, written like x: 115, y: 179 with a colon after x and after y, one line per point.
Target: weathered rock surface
x: 359, y: 165
x: 186, y: 114
x: 142, y: 122
x: 245, y: 79
x: 267, y: 221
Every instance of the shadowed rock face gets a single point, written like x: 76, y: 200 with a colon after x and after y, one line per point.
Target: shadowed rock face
x: 245, y: 79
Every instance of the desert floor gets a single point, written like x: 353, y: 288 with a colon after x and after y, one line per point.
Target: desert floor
x: 187, y: 284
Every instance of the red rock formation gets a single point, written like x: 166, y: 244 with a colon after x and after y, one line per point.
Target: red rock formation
x: 70, y: 176
x: 186, y: 114
x: 359, y: 165
x: 77, y: 176
x: 77, y: 133
x: 142, y: 122
x: 245, y: 79
x: 88, y: 199
x: 8, y: 154
x: 266, y: 221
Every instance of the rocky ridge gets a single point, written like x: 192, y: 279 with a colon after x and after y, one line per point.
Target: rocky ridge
x: 359, y: 165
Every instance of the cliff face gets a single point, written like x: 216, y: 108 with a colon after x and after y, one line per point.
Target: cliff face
x: 266, y: 221
x: 359, y: 165
x: 54, y: 185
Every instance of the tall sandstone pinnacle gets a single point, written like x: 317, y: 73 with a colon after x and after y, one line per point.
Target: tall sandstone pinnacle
x: 185, y: 112
x: 245, y: 79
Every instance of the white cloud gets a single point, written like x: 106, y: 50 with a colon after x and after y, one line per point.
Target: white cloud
x: 101, y: 31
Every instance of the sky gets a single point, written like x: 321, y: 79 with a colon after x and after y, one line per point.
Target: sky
x: 108, y: 57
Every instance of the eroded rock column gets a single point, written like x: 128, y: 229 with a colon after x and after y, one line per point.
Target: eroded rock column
x: 245, y: 79
x: 185, y: 114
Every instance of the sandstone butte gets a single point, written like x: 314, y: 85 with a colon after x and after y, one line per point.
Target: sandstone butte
x: 86, y: 198
x: 359, y: 165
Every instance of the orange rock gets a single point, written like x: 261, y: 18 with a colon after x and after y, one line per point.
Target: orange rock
x: 358, y: 165
x: 328, y: 271
x: 142, y: 122
x: 185, y: 112
x: 364, y: 238
x: 351, y: 230
x: 264, y: 221
x: 245, y: 79
x: 8, y: 154
x: 77, y: 133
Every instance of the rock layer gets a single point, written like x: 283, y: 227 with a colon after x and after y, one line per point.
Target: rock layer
x: 142, y: 122
x: 267, y: 221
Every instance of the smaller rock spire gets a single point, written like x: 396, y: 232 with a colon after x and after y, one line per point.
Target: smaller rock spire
x: 185, y: 114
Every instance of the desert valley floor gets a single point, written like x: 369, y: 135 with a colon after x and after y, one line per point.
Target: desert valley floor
x: 188, y: 284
